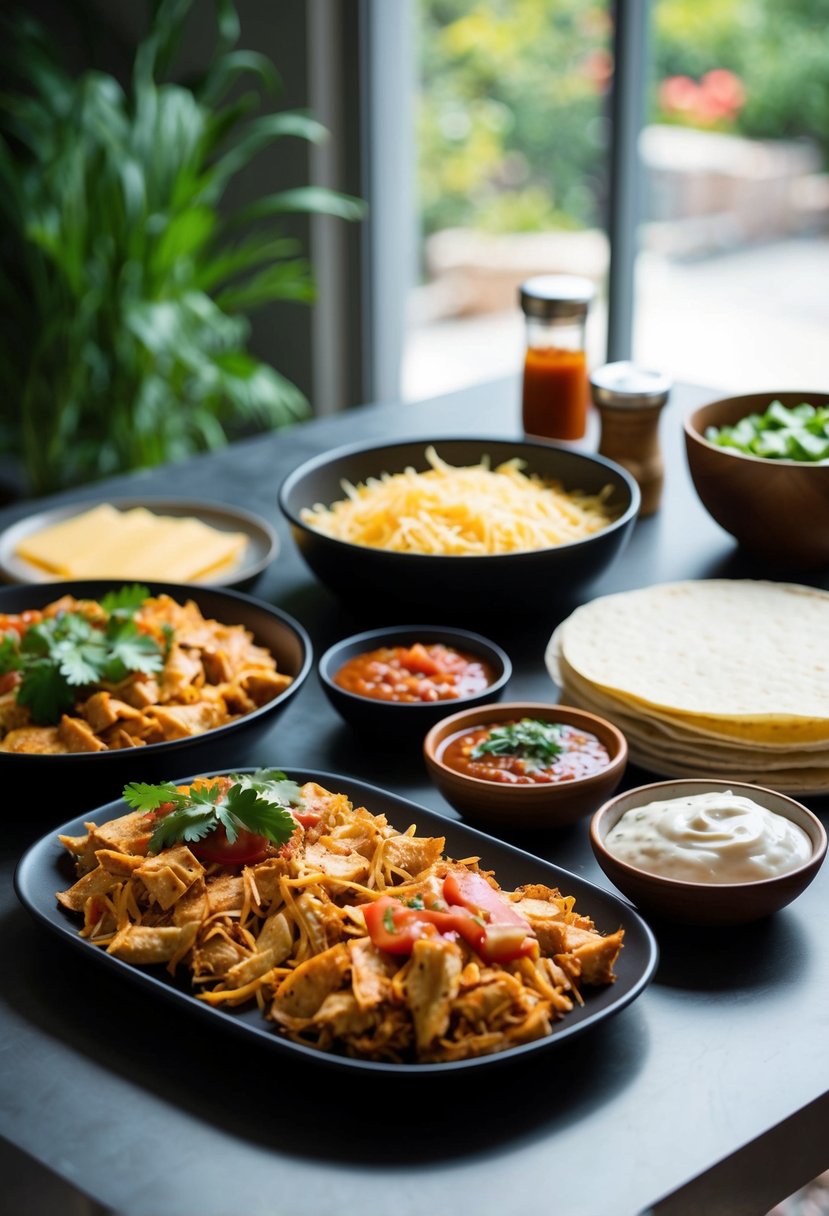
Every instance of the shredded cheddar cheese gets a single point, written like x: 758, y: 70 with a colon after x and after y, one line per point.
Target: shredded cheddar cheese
x: 471, y: 510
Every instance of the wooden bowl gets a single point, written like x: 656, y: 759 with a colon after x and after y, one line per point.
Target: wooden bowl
x: 778, y: 510
x: 524, y: 806
x: 702, y: 903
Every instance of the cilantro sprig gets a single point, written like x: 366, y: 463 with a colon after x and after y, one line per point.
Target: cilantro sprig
x: 62, y: 654
x: 255, y: 802
x: 536, y: 742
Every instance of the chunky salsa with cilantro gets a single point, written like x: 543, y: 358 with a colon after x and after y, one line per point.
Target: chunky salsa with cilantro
x: 421, y: 672
x: 525, y: 752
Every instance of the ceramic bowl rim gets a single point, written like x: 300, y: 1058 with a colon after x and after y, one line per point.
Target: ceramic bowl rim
x: 693, y: 433
x: 488, y: 648
x: 355, y: 449
x: 602, y: 813
x: 552, y: 789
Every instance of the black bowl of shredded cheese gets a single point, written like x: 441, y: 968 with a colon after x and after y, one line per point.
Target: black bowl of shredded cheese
x: 461, y: 524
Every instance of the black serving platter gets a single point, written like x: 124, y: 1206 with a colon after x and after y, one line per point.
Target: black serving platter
x: 46, y: 868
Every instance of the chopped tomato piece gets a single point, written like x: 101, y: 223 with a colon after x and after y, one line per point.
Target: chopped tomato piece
x: 472, y: 891
x: 19, y: 622
x: 247, y: 848
x: 394, y: 927
x: 505, y: 934
x: 417, y: 658
x: 306, y: 818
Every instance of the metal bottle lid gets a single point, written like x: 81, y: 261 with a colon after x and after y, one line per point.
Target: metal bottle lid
x: 625, y: 386
x: 556, y: 295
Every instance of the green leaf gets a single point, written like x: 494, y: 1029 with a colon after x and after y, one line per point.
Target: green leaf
x: 253, y: 802
x: 318, y: 200
x: 258, y: 250
x: 263, y: 131
x: 119, y: 351
x: 9, y: 653
x: 188, y: 822
x: 79, y: 663
x: 534, y: 741
x: 130, y: 650
x: 143, y: 797
x: 37, y: 640
x: 272, y: 784
x: 126, y: 600
x: 62, y: 654
x: 284, y: 281
x: 226, y: 71
x: 261, y: 815
x: 45, y: 692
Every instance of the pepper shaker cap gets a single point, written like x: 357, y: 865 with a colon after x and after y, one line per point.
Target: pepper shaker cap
x: 624, y: 385
x: 556, y: 295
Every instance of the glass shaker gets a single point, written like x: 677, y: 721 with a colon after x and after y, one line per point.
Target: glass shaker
x: 555, y: 391
x: 629, y: 400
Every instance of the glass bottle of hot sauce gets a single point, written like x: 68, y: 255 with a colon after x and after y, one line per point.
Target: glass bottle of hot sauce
x: 555, y: 393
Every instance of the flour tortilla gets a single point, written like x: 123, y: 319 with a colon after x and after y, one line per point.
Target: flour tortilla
x: 661, y: 727
x: 745, y: 660
x: 798, y: 783
x: 688, y: 749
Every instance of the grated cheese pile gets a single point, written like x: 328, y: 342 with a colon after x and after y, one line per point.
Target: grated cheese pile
x: 472, y: 510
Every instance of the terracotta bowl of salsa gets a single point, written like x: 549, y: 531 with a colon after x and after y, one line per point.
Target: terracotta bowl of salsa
x: 405, y: 678
x: 525, y: 764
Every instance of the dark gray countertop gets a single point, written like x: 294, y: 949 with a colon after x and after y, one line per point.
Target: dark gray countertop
x: 710, y: 1093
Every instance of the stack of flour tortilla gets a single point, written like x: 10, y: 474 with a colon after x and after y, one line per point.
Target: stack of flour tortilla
x: 723, y: 678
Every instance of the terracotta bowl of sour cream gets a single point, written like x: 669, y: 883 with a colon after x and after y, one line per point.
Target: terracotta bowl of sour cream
x: 525, y: 764
x: 707, y: 852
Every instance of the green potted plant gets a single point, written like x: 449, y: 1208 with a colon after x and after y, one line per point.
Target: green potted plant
x: 125, y: 284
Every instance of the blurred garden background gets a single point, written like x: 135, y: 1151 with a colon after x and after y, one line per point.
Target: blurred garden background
x: 512, y: 171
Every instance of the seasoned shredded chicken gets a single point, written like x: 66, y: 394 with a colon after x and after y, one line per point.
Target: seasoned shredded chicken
x: 292, y: 932
x: 212, y: 674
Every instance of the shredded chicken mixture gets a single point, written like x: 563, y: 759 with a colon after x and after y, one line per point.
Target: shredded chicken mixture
x: 212, y: 674
x: 289, y: 932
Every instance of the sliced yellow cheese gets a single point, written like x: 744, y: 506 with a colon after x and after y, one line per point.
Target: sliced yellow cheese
x: 56, y: 548
x: 135, y: 544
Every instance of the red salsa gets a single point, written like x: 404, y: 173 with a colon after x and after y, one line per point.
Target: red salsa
x: 422, y: 672
x: 525, y: 752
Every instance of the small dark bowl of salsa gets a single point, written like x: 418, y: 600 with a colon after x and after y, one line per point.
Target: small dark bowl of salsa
x: 525, y: 764
x: 405, y: 678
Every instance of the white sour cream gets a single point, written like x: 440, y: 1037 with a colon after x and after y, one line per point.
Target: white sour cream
x: 717, y: 838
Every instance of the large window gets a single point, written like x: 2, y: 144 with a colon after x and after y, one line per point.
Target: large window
x: 512, y: 155
x: 513, y: 136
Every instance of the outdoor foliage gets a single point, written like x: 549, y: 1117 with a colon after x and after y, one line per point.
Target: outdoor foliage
x: 511, y: 128
x: 125, y: 289
x: 776, y: 51
x: 513, y: 99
